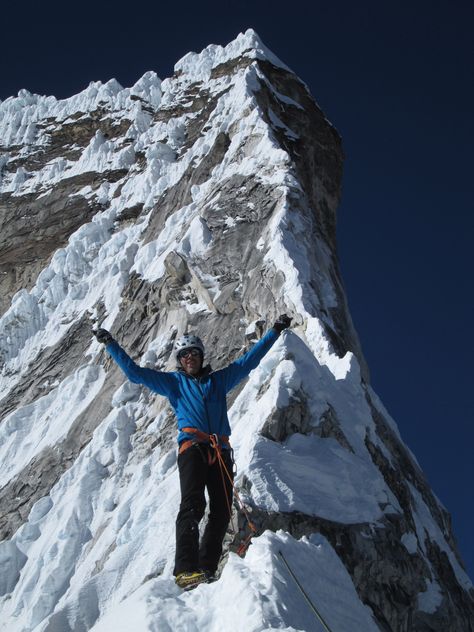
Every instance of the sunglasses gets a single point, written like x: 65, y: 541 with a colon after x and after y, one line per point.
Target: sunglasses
x: 189, y: 352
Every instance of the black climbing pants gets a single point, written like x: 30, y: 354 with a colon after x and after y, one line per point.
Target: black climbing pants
x: 195, y: 474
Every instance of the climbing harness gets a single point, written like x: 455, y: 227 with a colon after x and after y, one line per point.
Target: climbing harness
x: 203, y: 437
x: 305, y: 594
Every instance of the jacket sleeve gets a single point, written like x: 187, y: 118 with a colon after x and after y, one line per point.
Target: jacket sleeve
x: 158, y: 381
x: 240, y: 368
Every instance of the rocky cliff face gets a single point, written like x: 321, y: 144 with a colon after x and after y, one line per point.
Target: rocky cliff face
x: 202, y: 203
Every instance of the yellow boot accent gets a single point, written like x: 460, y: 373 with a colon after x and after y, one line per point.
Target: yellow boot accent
x: 188, y: 580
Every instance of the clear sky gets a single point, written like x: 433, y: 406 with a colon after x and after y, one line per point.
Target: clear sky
x: 396, y: 80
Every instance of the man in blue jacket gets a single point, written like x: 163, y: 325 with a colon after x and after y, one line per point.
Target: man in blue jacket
x: 198, y: 397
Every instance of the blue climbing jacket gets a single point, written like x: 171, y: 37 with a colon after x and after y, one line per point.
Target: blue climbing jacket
x: 199, y: 402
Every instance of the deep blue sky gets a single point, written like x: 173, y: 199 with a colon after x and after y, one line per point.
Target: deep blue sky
x: 396, y: 80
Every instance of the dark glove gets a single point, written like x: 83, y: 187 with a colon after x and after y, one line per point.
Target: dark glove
x: 282, y: 322
x: 103, y: 336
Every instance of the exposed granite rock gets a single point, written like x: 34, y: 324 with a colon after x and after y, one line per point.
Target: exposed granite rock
x: 51, y: 366
x: 316, y: 153
x: 32, y: 228
x: 296, y: 418
x: 66, y: 140
x: 329, y: 426
x: 283, y: 422
x: 402, y: 462
x: 180, y: 194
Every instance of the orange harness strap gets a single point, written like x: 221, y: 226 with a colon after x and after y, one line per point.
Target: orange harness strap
x: 203, y: 437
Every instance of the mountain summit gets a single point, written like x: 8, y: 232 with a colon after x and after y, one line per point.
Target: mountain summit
x: 204, y: 203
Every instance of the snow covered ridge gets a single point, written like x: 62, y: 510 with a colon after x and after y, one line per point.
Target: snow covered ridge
x: 198, y: 67
x: 20, y: 115
x: 194, y: 210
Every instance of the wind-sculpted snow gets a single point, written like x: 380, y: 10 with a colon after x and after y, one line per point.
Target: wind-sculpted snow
x: 29, y: 430
x: 206, y: 203
x: 94, y: 265
x: 20, y: 116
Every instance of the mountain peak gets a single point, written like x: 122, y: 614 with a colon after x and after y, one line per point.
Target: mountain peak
x: 248, y: 44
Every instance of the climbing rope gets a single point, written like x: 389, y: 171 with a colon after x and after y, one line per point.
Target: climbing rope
x: 214, y: 442
x: 305, y: 594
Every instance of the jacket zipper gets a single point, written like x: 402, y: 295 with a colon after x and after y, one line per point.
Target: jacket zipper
x: 198, y: 382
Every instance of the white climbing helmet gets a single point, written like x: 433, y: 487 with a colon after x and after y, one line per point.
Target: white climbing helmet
x: 188, y: 341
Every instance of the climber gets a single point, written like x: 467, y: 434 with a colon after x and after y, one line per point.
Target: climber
x: 198, y: 397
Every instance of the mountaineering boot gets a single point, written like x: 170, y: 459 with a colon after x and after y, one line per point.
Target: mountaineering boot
x: 189, y: 580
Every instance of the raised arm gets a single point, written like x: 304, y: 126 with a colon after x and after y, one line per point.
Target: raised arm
x: 240, y: 368
x: 159, y: 381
